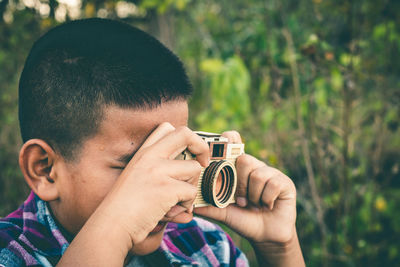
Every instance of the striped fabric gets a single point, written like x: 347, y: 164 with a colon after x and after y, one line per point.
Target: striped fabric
x: 30, y: 237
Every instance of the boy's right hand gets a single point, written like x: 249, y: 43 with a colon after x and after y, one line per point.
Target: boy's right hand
x: 154, y: 186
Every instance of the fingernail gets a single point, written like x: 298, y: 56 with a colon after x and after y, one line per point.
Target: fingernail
x: 191, y: 209
x: 241, y: 202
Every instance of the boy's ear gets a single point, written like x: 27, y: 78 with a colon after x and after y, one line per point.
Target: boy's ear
x: 36, y: 159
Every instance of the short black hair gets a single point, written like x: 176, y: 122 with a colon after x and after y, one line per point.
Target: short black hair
x: 77, y: 68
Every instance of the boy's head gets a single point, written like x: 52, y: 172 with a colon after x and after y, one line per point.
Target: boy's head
x: 77, y: 69
x: 90, y: 93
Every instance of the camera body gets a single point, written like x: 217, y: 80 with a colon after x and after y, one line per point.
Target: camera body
x: 217, y: 183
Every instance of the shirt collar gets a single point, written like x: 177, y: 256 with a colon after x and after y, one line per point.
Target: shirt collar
x: 48, y: 238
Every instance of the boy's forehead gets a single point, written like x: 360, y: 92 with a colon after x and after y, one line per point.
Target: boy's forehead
x: 136, y: 122
x: 123, y: 130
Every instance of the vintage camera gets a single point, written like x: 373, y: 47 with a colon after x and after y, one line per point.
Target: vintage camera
x: 217, y: 182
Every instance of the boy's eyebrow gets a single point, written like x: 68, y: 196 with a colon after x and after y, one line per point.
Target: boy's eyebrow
x: 125, y: 158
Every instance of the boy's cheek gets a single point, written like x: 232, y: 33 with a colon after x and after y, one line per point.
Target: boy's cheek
x: 80, y: 199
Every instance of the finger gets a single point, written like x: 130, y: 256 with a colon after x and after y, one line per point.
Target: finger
x: 245, y: 164
x: 271, y: 192
x: 174, y: 211
x: 257, y: 182
x: 184, y: 170
x: 225, y: 215
x: 175, y: 142
x: 183, y: 217
x: 185, y: 193
x: 212, y: 212
x: 233, y: 137
x: 178, y: 214
x: 162, y: 130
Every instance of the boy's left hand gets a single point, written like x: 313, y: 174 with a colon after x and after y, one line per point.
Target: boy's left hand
x: 265, y: 209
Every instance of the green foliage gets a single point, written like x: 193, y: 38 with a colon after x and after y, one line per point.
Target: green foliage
x: 286, y: 74
x: 228, y: 99
x: 163, y: 5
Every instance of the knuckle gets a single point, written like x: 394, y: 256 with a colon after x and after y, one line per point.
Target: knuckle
x: 258, y: 175
x: 292, y: 186
x: 197, y: 167
x: 184, y: 130
x: 204, y: 146
x: 244, y: 160
x: 154, y: 172
x: 193, y: 191
x: 159, y: 188
x: 166, y: 126
x: 163, y: 183
x: 185, y: 133
x: 276, y: 172
x: 289, y: 181
x: 274, y: 185
x: 234, y: 135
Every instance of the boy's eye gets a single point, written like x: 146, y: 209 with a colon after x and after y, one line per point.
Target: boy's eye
x: 118, y: 167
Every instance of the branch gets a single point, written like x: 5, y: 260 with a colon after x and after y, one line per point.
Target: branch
x: 304, y: 142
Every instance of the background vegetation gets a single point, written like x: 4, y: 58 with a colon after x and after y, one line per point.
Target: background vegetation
x: 312, y: 85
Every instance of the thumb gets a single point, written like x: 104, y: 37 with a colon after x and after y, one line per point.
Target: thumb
x: 211, y: 212
x: 231, y: 215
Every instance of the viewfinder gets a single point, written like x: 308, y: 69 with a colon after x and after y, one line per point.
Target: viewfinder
x: 218, y: 150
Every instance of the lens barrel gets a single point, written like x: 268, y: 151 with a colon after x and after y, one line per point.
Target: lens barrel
x: 219, y: 183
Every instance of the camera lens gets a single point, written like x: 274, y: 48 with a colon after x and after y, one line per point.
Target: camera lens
x: 219, y: 183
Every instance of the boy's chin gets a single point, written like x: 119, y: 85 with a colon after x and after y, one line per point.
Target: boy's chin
x: 150, y: 244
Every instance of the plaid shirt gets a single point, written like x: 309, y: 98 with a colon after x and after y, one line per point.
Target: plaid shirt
x: 30, y: 237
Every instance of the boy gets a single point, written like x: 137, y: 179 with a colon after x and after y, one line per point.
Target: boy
x: 103, y: 114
